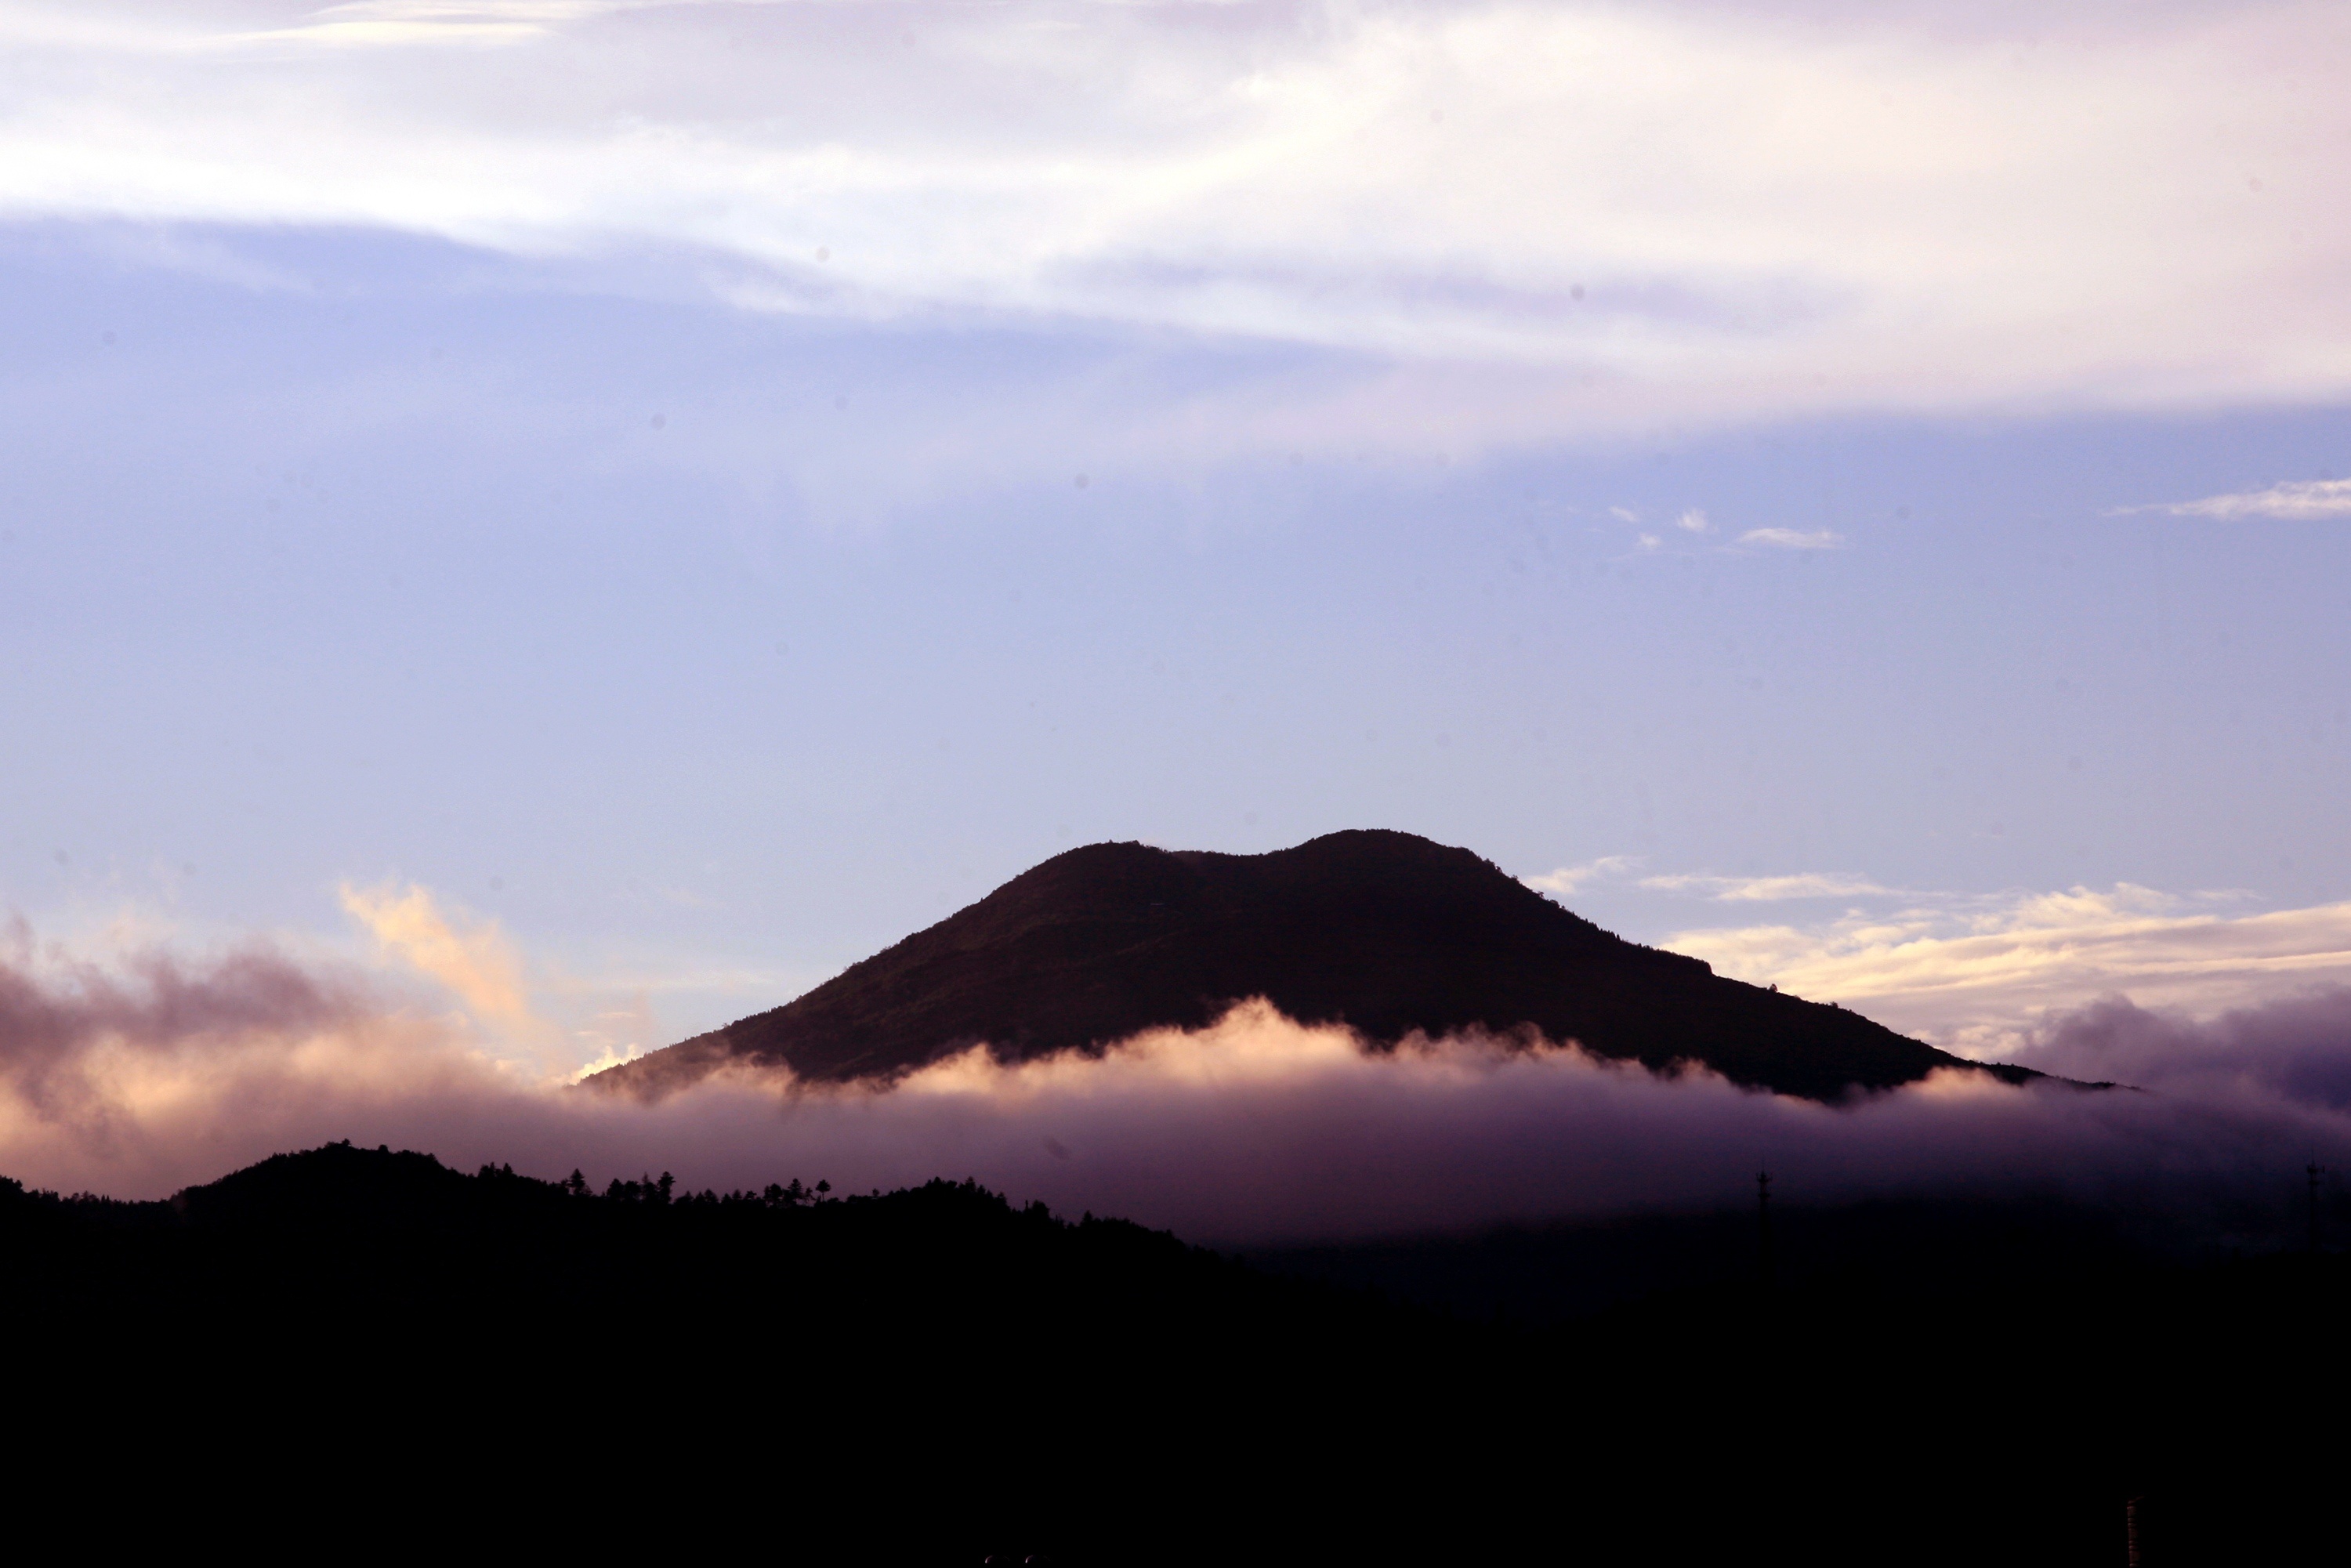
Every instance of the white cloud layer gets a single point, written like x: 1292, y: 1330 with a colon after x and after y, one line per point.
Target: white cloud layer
x: 2305, y: 501
x: 1722, y: 889
x: 1765, y: 889
x: 1525, y: 221
x: 1793, y: 539
x: 1568, y: 878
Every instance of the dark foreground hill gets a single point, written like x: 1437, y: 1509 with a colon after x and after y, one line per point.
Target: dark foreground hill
x: 360, y: 1352
x: 1384, y: 932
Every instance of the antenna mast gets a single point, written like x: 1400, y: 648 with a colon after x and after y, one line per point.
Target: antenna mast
x: 2310, y: 1173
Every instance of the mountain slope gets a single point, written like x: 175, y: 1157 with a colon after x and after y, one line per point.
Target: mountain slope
x: 1384, y: 932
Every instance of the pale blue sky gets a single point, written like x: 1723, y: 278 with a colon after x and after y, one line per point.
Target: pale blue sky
x: 708, y: 643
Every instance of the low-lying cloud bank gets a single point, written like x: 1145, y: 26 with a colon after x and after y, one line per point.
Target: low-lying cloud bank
x: 2296, y: 1050
x: 139, y: 1076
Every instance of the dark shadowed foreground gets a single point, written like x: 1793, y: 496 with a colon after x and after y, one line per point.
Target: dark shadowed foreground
x: 1385, y: 932
x: 352, y: 1349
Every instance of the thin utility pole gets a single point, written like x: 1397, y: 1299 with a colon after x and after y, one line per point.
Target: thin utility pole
x: 1764, y: 1222
x: 2310, y: 1173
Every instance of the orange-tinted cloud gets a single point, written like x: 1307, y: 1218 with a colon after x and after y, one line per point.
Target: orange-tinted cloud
x: 472, y: 959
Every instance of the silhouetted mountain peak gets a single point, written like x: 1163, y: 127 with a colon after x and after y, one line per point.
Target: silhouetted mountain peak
x: 1386, y: 933
x: 337, y: 1180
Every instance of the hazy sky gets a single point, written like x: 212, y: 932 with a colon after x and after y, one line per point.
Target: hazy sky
x: 1861, y: 492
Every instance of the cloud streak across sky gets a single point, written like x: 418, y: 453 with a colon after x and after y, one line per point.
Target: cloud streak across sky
x: 1791, y: 538
x: 1513, y: 222
x: 2305, y: 501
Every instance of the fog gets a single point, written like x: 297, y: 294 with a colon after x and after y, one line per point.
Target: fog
x: 138, y: 1076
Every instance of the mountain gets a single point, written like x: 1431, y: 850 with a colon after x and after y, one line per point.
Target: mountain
x: 1386, y: 933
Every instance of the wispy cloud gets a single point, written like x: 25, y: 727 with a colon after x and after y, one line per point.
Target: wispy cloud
x: 473, y: 959
x: 1718, y: 889
x: 1693, y: 521
x: 405, y: 23
x: 1568, y: 878
x: 1766, y: 888
x: 2299, y: 501
x: 1978, y: 973
x: 1799, y: 239
x: 538, y: 1017
x: 1791, y: 538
